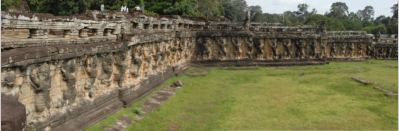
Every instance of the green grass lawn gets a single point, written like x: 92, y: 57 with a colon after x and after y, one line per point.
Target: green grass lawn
x: 277, y: 98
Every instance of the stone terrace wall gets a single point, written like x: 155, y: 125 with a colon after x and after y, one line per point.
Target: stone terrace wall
x: 71, y: 72
x: 385, y: 47
x: 87, y: 69
x: 279, y: 45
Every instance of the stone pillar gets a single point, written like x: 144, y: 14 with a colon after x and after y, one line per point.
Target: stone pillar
x: 67, y: 33
x: 38, y: 33
x: 115, y: 32
x: 99, y: 32
x: 140, y: 26
x: 83, y: 33
x: 70, y: 33
x: 107, y: 32
x: 93, y: 32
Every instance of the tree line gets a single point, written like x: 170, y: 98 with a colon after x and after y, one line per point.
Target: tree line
x: 233, y: 9
x: 338, y: 17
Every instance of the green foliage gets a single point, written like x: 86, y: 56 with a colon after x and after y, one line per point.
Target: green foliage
x: 6, y: 4
x: 210, y: 8
x: 235, y: 9
x: 171, y: 7
x: 61, y: 7
x: 392, y: 27
x: 137, y: 111
x: 375, y: 29
x: 291, y: 19
x: 352, y: 24
x: 70, y: 7
x: 331, y: 23
x: 150, y: 13
x: 256, y: 13
x: 366, y: 15
x: 394, y: 9
x: 339, y: 10
x: 39, y: 6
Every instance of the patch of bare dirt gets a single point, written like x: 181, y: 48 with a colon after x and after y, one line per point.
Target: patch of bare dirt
x: 173, y: 127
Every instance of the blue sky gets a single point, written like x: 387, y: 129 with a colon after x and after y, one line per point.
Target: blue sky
x: 381, y: 7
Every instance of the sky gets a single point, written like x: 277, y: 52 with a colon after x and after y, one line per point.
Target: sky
x: 381, y: 7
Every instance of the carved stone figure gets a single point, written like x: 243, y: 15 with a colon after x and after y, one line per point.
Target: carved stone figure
x: 8, y: 79
x: 343, y: 49
x: 323, y: 50
x: 274, y: 49
x: 312, y: 48
x: 136, y: 64
x: 370, y: 51
x: 250, y: 48
x: 221, y: 47
x: 67, y: 71
x: 121, y: 67
x: 333, y: 51
x: 107, y: 69
x: 352, y: 50
x: 237, y: 47
x: 360, y: 50
x: 302, y: 49
x: 287, y: 49
x: 90, y: 67
x: 258, y: 48
x: 41, y: 82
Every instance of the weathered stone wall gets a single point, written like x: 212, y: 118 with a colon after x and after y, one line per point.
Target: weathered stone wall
x: 73, y: 77
x: 57, y: 91
x: 385, y: 47
x: 71, y: 72
x: 282, y: 44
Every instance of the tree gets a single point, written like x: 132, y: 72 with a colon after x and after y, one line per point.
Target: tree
x: 332, y: 23
x: 256, y: 13
x: 393, y: 25
x: 395, y: 11
x: 338, y: 10
x: 172, y: 7
x: 354, y: 16
x: 272, y: 18
x: 255, y: 9
x: 382, y: 20
x: 235, y: 9
x: 367, y: 14
x: 314, y: 11
x: 290, y: 19
x: 302, y: 12
x: 210, y: 8
x: 6, y: 4
x: 375, y: 29
x: 40, y: 6
x: 303, y: 9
